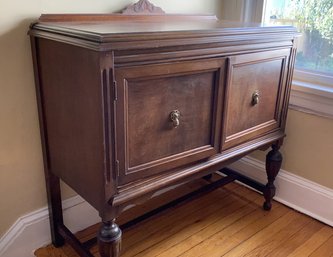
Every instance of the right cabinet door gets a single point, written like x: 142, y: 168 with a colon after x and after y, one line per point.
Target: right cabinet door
x: 254, y: 95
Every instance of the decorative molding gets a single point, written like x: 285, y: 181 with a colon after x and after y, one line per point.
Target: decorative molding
x: 313, y: 77
x: 143, y: 7
x: 32, y: 231
x: 296, y: 192
x: 312, y: 98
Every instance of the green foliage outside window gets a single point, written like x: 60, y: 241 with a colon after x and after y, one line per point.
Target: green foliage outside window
x: 314, y: 18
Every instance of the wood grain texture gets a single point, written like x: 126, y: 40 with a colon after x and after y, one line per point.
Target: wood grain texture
x: 120, y: 17
x: 261, y: 73
x: 54, y: 193
x: 106, y: 124
x: 152, y: 135
x: 215, y: 226
x: 76, y: 120
x: 147, y: 140
x: 108, y: 88
x: 129, y: 32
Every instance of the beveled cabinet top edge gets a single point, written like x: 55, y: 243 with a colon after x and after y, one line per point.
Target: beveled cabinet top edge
x: 119, y: 28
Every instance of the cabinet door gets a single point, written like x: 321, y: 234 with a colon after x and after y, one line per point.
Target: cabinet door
x: 165, y: 115
x: 255, y: 86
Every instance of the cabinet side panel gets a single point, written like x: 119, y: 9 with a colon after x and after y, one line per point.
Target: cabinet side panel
x: 73, y: 117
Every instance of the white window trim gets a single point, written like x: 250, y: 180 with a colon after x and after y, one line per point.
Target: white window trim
x: 313, y: 98
x: 314, y: 77
x: 311, y: 92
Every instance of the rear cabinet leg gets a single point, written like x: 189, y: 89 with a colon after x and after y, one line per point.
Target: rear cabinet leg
x: 55, y: 207
x: 273, y: 165
x: 208, y: 177
x: 109, y: 239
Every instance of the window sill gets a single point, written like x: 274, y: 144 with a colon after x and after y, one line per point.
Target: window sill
x: 312, y: 98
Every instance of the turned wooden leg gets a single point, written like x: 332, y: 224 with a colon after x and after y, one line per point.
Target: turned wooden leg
x: 109, y: 239
x: 273, y: 165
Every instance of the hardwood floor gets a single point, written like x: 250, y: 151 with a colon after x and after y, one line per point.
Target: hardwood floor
x: 226, y: 222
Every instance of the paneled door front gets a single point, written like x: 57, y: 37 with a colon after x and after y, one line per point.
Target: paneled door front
x: 167, y: 115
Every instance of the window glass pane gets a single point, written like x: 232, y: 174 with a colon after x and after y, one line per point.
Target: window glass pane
x: 314, y: 19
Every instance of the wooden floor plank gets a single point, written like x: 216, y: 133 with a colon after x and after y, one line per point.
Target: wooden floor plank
x: 199, y: 237
x: 326, y: 249
x: 227, y: 222
x: 192, y: 219
x: 262, y: 236
x: 214, y: 228
x: 228, y: 239
x: 262, y: 243
x: 224, y: 215
x: 313, y: 243
x: 297, y: 239
x: 179, y: 211
x: 50, y: 251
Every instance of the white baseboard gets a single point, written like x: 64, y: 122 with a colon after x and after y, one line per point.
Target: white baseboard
x: 32, y: 231
x: 296, y: 192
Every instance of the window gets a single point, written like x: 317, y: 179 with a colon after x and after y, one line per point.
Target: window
x: 312, y: 88
x: 314, y: 19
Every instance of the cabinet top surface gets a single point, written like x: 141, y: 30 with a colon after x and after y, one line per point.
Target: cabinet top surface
x: 107, y: 27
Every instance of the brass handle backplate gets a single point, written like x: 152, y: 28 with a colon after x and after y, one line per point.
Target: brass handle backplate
x: 255, y: 97
x: 174, y: 117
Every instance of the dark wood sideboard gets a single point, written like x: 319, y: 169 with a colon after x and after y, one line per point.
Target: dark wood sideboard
x: 131, y: 104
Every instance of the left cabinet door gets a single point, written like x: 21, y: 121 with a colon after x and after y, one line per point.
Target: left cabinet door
x: 166, y: 115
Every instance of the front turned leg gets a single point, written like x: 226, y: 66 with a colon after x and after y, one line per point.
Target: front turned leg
x: 109, y: 239
x: 273, y: 165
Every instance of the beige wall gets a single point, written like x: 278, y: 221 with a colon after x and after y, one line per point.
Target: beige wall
x: 308, y: 147
x: 22, y: 187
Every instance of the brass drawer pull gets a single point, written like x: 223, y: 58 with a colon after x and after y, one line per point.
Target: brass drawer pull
x: 174, y: 117
x: 255, y: 97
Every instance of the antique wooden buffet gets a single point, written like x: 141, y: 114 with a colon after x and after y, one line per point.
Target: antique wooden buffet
x: 131, y: 104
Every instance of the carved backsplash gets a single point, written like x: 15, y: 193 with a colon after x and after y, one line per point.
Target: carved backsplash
x: 143, y: 7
